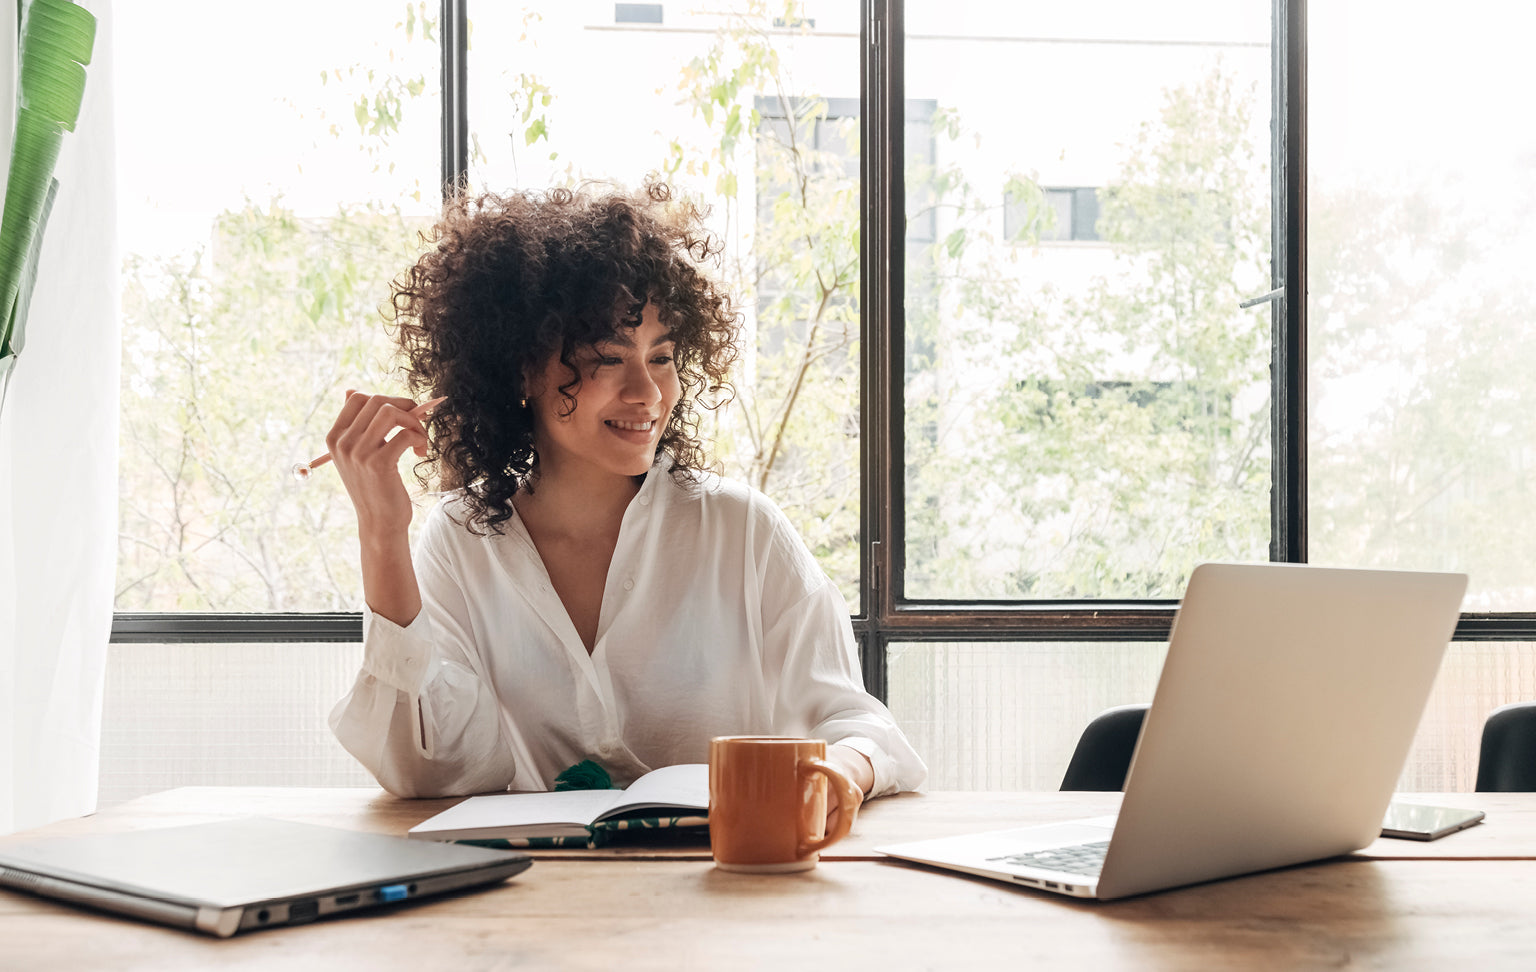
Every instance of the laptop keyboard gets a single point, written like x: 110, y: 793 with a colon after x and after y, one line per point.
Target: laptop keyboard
x: 1086, y: 859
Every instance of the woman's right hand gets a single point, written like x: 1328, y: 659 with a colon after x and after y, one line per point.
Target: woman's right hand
x: 368, y: 459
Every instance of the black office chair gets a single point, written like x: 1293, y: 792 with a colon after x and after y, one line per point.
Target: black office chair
x: 1506, y: 761
x: 1104, y: 750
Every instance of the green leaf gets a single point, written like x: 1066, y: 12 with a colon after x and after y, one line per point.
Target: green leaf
x: 18, y: 329
x: 55, y: 45
x: 954, y: 243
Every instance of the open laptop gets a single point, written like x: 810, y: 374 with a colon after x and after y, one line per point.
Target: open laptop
x: 1287, y: 703
x: 237, y: 875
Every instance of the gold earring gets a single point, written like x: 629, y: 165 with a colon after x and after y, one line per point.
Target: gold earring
x: 522, y: 403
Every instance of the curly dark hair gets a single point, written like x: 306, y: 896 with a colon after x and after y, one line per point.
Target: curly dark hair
x: 511, y: 280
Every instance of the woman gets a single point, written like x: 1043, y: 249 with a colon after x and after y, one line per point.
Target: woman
x: 588, y: 591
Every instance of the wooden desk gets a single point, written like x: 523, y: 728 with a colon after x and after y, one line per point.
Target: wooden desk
x: 907, y: 816
x: 1413, y: 906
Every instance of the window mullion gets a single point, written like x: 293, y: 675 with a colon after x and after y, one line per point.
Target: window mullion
x: 1288, y: 371
x: 453, y: 37
x: 880, y: 305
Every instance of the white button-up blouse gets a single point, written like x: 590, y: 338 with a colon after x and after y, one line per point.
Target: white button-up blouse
x: 715, y: 620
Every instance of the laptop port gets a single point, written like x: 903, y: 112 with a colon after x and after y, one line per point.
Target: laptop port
x: 303, y: 910
x: 1051, y: 885
x: 346, y: 899
x: 393, y: 892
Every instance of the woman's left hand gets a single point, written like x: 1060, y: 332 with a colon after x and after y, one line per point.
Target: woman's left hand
x: 854, y: 765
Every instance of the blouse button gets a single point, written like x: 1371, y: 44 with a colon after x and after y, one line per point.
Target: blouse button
x: 645, y: 501
x: 629, y: 584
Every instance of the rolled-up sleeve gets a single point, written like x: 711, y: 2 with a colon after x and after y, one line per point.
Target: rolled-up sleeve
x: 420, y: 716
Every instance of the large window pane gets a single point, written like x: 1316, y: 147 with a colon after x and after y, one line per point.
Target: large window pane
x: 224, y: 715
x: 1087, y: 408
x: 989, y: 716
x: 1475, y: 679
x: 751, y: 108
x: 274, y: 171
x: 1423, y: 225
x: 1007, y: 716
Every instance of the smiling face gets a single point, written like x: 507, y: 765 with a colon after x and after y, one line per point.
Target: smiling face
x: 608, y: 423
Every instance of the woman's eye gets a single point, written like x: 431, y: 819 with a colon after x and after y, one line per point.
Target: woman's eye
x: 610, y: 361
x: 662, y: 359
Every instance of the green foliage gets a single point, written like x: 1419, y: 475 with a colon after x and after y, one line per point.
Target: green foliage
x: 234, y: 358
x: 1096, y: 444
x: 532, y: 97
x: 793, y: 429
x: 379, y: 99
x: 1421, y: 451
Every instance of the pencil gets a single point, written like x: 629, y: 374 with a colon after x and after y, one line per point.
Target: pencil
x: 303, y: 470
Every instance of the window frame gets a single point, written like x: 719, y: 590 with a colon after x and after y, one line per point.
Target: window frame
x: 888, y: 615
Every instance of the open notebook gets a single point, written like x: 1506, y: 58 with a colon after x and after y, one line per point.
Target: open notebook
x: 673, y: 796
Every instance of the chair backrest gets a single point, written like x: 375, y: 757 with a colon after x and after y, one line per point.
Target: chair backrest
x: 1506, y: 761
x: 1103, y: 754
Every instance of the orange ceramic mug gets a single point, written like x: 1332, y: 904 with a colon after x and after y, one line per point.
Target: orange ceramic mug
x: 768, y: 802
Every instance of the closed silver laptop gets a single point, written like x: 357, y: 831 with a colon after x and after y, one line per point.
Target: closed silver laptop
x: 238, y: 875
x: 1287, y: 703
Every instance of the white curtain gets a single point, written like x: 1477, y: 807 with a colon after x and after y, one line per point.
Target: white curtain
x: 58, y: 473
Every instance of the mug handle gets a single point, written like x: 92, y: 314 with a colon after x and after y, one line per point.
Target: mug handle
x: 848, y: 795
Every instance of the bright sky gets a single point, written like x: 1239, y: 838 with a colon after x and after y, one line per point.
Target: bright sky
x: 1415, y: 87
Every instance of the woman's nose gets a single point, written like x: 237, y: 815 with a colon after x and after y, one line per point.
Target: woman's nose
x: 640, y: 386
